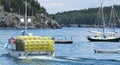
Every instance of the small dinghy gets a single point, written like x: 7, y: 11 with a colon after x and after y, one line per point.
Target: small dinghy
x: 107, y: 51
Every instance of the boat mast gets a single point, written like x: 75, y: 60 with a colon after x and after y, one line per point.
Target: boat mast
x: 26, y: 17
x: 113, y: 13
x: 112, y: 18
x: 102, y: 18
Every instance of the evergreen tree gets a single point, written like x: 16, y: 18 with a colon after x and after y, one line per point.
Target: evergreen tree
x: 18, y: 6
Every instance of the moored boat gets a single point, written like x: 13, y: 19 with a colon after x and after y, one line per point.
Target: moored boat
x: 106, y: 36
x: 107, y: 51
x: 104, y: 39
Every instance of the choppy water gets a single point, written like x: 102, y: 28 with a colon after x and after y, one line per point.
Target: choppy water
x: 81, y: 52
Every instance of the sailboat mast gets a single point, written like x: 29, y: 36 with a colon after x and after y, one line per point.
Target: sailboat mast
x: 25, y: 17
x: 114, y: 24
x: 102, y: 16
x: 112, y: 18
x: 113, y: 12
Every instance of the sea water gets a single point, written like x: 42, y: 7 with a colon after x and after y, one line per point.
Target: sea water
x: 81, y: 52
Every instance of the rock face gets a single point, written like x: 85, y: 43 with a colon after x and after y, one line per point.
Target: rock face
x: 12, y: 20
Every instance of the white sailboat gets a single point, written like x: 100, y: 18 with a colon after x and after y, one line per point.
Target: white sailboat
x: 105, y: 36
x: 25, y: 46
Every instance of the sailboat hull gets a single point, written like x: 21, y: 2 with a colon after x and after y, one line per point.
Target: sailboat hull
x: 115, y: 39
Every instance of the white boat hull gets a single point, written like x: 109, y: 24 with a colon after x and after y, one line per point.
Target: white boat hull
x: 107, y: 39
x: 30, y: 55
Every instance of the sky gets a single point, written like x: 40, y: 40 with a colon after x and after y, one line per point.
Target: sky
x: 54, y: 6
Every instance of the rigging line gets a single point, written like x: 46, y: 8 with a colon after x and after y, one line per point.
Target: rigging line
x: 15, y: 34
x: 117, y: 16
x: 110, y: 17
x: 97, y: 18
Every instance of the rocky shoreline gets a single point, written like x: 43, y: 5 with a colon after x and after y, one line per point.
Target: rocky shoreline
x: 12, y: 20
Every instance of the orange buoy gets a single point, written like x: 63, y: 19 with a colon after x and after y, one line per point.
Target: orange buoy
x: 14, y: 41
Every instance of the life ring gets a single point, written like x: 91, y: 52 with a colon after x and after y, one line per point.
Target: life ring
x: 14, y: 41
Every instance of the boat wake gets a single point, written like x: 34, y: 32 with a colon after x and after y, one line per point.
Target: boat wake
x: 64, y: 59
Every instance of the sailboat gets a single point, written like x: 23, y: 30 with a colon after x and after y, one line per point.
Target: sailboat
x: 105, y: 36
x: 29, y: 46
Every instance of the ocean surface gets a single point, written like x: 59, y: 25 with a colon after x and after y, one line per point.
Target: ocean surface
x: 81, y: 52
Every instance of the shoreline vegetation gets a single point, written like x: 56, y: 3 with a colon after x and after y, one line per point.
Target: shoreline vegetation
x: 86, y: 17
x: 11, y: 11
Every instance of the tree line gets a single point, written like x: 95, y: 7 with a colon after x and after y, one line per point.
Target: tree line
x: 18, y: 6
x: 85, y: 16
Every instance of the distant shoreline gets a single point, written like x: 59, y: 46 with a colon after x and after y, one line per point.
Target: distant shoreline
x: 56, y: 28
x: 27, y: 28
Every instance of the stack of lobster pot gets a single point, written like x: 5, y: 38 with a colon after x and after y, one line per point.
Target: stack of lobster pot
x: 34, y: 44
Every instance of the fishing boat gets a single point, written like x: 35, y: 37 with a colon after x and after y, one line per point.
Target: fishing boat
x: 30, y: 46
x: 105, y: 36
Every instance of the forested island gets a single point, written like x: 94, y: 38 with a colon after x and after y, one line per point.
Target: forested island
x: 85, y: 17
x: 11, y: 11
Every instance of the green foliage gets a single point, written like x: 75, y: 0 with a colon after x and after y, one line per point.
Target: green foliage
x: 83, y: 17
x: 18, y: 6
